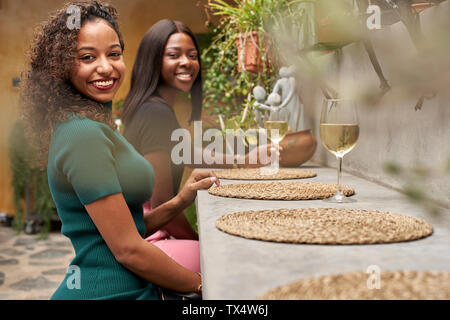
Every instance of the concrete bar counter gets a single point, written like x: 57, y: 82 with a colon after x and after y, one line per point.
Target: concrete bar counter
x: 237, y: 268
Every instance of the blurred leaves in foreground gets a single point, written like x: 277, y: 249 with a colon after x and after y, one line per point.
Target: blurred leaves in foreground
x: 416, y: 181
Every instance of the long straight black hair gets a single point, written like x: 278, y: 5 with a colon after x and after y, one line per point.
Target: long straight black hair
x: 146, y: 73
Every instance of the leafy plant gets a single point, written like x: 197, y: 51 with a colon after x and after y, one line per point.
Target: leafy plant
x: 28, y: 179
x: 228, y: 89
x: 191, y: 216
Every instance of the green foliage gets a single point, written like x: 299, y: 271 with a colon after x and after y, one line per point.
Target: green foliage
x: 44, y: 205
x: 20, y: 170
x: 226, y: 89
x: 118, y: 108
x: 238, y: 121
x: 415, y: 179
x: 26, y: 177
x: 393, y: 168
x: 191, y: 216
x: 251, y: 15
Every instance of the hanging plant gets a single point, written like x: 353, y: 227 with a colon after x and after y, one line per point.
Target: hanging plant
x: 253, y: 55
x: 231, y: 73
x: 225, y: 86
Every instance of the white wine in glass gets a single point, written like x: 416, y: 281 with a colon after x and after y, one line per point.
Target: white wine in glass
x: 276, y: 130
x: 339, y: 132
x: 339, y: 139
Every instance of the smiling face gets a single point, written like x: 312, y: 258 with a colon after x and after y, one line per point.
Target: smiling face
x: 99, y: 69
x: 180, y: 64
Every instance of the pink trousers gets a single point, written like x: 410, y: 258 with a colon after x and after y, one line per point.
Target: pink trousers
x: 185, y: 252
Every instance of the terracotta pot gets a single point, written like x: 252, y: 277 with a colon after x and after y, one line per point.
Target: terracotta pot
x: 298, y: 147
x: 251, y: 59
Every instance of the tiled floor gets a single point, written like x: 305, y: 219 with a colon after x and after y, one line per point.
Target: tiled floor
x: 32, y: 269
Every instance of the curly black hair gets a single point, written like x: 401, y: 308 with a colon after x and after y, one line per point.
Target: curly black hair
x: 47, y: 94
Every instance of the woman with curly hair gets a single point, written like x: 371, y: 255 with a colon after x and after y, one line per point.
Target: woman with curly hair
x: 97, y: 179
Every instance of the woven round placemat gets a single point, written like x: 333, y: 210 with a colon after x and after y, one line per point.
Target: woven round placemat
x: 256, y: 174
x: 279, y: 190
x: 393, y: 285
x: 324, y: 226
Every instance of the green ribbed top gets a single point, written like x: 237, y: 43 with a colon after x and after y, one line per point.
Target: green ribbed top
x: 88, y: 160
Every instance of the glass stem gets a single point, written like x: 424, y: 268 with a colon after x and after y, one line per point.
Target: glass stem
x: 339, y: 186
x: 276, y: 164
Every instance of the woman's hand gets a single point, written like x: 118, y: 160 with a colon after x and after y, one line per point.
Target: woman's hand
x: 199, y: 179
x: 261, y: 156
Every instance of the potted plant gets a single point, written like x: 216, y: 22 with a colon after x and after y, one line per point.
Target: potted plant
x: 227, y: 82
x: 253, y: 55
x: 30, y: 185
x: 244, y: 25
x: 248, y: 19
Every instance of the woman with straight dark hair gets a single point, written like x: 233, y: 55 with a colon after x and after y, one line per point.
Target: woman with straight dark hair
x: 167, y: 63
x: 147, y: 67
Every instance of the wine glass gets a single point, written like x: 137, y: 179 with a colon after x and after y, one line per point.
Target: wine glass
x: 277, y: 127
x: 339, y: 131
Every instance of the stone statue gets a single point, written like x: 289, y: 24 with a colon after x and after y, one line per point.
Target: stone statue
x: 286, y: 101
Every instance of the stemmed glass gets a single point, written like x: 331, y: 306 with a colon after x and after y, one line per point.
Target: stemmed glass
x: 277, y: 127
x: 339, y: 131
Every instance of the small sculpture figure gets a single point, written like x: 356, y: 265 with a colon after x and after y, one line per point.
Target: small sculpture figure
x: 260, y: 95
x: 288, y: 99
x: 274, y: 101
x: 271, y: 105
x: 289, y: 96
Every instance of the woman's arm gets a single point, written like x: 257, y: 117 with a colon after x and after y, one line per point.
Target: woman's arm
x: 256, y: 158
x: 113, y: 219
x: 179, y: 226
x: 157, y: 218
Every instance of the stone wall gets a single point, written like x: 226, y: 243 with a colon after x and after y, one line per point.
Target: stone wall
x: 392, y: 130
